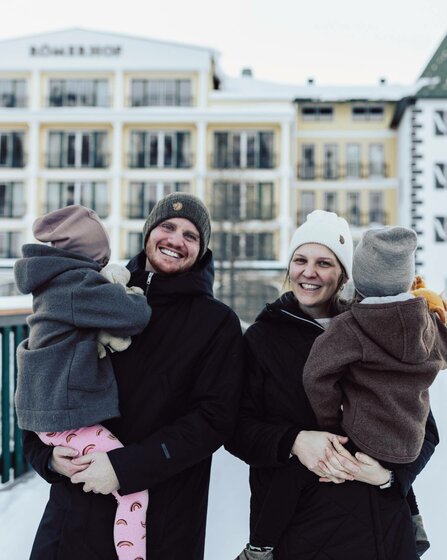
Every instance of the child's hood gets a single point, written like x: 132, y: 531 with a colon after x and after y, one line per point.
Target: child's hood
x: 42, y: 263
x: 404, y: 329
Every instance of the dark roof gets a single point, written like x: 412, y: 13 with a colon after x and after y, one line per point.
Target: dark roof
x: 436, y: 68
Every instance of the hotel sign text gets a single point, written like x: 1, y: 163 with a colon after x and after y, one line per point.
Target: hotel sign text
x: 76, y: 50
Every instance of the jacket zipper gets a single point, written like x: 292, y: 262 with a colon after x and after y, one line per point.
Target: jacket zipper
x: 148, y: 282
x: 302, y: 319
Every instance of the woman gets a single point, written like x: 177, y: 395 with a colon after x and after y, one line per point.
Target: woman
x: 360, y: 512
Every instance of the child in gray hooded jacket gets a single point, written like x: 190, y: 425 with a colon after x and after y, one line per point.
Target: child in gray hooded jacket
x: 64, y: 389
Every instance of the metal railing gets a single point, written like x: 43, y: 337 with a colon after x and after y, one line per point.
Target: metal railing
x: 334, y: 172
x: 13, y: 329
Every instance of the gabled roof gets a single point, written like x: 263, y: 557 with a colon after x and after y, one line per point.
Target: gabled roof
x: 436, y: 68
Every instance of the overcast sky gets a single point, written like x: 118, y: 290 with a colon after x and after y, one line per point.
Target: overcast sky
x: 333, y: 41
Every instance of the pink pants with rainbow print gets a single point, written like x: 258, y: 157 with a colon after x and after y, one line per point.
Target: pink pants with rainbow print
x: 130, y: 521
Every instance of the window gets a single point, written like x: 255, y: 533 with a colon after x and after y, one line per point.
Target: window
x: 353, y: 208
x: 134, y: 244
x: 317, y: 112
x: 77, y: 149
x: 144, y: 196
x: 12, y: 93
x: 158, y: 93
x: 330, y: 202
x: 367, y: 112
x: 229, y: 246
x: 10, y: 243
x: 94, y: 195
x: 12, y: 200
x: 242, y: 201
x: 376, y: 208
x: 440, y: 175
x: 440, y: 227
x: 243, y: 150
x: 353, y: 160
x: 306, y: 206
x: 376, y: 161
x: 78, y: 93
x: 330, y: 161
x: 306, y: 169
x: 440, y: 122
x: 160, y: 149
x: 11, y: 149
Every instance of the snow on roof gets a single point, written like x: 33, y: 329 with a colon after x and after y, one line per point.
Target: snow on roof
x: 248, y: 87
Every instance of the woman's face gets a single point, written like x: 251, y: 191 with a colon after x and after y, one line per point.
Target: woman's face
x: 315, y: 274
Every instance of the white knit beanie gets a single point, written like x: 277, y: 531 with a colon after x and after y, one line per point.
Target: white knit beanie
x: 327, y: 229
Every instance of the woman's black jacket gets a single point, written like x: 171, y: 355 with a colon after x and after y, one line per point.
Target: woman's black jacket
x: 336, y: 522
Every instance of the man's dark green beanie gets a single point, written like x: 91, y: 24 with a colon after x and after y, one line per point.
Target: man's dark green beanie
x: 181, y: 205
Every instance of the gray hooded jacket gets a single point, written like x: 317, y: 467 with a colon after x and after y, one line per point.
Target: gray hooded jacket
x: 62, y: 384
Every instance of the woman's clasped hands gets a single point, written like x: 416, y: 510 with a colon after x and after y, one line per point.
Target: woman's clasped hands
x: 324, y: 454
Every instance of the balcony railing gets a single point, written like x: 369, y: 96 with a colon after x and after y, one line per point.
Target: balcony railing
x: 226, y: 213
x: 141, y: 160
x: 103, y: 210
x: 75, y: 101
x: 12, y: 101
x: 155, y: 101
x: 15, y: 162
x: 334, y: 172
x: 13, y: 330
x: 267, y: 161
x: 355, y: 219
x: 12, y: 210
x: 139, y: 211
x: 99, y: 161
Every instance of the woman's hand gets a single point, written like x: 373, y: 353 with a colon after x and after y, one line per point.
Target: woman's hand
x: 312, y: 449
x: 99, y: 476
x: 366, y: 470
x: 62, y: 461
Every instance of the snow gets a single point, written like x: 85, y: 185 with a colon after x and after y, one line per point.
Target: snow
x: 22, y: 504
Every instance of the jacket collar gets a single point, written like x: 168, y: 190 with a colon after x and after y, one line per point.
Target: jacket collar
x: 196, y: 282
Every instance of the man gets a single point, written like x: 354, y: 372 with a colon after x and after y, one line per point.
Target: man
x: 179, y: 385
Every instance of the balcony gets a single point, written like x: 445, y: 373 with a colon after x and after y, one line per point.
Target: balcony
x: 12, y: 210
x: 59, y: 161
x: 155, y: 101
x: 12, y: 101
x: 355, y: 219
x: 335, y: 172
x: 76, y: 101
x: 222, y: 213
x: 142, y: 160
x: 267, y: 161
x: 17, y: 161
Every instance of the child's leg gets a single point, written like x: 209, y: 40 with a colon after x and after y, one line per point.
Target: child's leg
x: 130, y: 520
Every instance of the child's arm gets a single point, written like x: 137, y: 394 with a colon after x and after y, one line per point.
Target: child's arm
x: 330, y: 356
x: 99, y: 304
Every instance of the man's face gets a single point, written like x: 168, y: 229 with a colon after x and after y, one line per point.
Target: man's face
x: 172, y: 247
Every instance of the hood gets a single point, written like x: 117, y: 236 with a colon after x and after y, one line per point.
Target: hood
x: 404, y: 329
x: 195, y: 282
x: 42, y: 263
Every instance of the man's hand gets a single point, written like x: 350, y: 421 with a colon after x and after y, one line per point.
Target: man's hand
x: 98, y: 476
x: 62, y: 461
